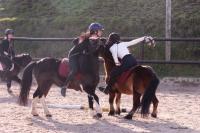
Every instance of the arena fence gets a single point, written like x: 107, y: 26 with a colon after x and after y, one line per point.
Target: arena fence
x: 141, y: 60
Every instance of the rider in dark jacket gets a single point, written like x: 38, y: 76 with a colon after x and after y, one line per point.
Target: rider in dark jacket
x: 80, y: 47
x: 7, y: 50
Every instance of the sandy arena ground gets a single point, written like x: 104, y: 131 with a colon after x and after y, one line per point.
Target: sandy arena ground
x: 178, y: 112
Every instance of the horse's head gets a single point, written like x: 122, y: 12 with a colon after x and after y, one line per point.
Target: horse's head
x: 95, y: 45
x: 23, y: 59
x: 107, y: 57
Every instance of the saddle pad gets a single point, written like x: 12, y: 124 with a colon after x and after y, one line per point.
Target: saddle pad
x: 124, y: 76
x: 63, y: 69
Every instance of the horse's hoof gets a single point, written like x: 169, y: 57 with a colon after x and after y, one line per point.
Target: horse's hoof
x: 48, y: 115
x: 128, y: 117
x: 154, y: 115
x: 63, y: 92
x: 118, y: 112
x: 97, y: 116
x: 123, y: 110
x: 35, y: 115
x: 111, y: 113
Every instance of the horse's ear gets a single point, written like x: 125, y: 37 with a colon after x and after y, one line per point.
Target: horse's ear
x: 103, y: 39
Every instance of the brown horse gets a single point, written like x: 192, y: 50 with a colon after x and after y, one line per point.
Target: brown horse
x: 140, y: 80
x: 46, y: 72
x: 19, y: 62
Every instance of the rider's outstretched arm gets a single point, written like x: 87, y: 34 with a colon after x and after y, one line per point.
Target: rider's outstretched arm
x: 133, y: 42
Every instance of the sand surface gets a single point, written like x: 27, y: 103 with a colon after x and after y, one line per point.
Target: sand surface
x: 178, y: 112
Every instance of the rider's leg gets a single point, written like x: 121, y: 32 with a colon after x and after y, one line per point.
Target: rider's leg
x: 73, y: 64
x: 127, y: 62
x: 112, y: 79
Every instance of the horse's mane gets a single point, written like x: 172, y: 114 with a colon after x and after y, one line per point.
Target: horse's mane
x: 108, y: 60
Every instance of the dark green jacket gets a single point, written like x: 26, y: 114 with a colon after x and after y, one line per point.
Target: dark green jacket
x: 5, y: 47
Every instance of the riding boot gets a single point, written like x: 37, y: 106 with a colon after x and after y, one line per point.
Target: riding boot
x: 108, y: 88
x: 69, y: 78
x: 66, y: 83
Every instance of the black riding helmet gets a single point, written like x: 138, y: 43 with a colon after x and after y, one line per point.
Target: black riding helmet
x: 9, y: 31
x: 113, y: 38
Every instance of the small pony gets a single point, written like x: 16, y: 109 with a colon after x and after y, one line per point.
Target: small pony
x: 19, y: 62
x: 139, y: 80
x: 46, y: 72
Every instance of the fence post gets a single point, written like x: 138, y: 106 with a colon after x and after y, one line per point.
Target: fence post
x: 168, y: 30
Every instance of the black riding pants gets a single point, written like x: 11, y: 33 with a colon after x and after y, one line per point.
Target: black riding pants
x: 127, y: 62
x: 74, y: 67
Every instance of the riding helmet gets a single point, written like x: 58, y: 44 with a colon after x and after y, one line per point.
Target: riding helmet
x: 95, y: 27
x: 9, y: 31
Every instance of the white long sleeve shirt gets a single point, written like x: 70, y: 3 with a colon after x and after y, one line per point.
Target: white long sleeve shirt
x: 121, y: 49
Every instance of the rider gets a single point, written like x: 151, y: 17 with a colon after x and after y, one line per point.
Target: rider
x: 95, y: 31
x: 123, y: 59
x: 7, y: 50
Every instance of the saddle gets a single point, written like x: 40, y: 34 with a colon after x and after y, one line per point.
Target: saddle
x: 124, y: 76
x: 63, y: 69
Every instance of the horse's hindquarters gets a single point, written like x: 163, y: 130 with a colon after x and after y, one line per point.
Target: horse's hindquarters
x: 126, y: 87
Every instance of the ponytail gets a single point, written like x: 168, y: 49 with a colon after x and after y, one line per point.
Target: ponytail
x: 84, y: 36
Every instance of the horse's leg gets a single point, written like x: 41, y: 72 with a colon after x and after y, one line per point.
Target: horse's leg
x: 155, y: 105
x: 46, y: 110
x: 45, y: 89
x: 17, y: 79
x: 136, y: 104
x: 92, y: 97
x: 111, y: 100
x: 34, y: 102
x: 118, y: 101
x: 97, y: 106
x: 8, y: 83
x: 90, y: 102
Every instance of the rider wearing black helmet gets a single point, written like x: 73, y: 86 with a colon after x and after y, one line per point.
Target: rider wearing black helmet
x: 7, y: 49
x: 94, y: 32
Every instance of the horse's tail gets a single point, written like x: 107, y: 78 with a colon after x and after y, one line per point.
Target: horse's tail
x: 26, y: 83
x: 149, y: 94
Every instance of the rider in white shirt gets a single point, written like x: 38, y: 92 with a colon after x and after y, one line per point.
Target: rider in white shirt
x: 119, y: 51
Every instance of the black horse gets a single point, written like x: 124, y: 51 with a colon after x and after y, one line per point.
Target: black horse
x: 19, y: 62
x: 46, y: 72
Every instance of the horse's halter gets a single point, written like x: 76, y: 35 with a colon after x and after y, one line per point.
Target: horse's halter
x: 151, y: 41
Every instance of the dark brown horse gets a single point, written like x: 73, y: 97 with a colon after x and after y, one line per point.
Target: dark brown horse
x: 19, y: 62
x: 46, y: 72
x: 140, y: 80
